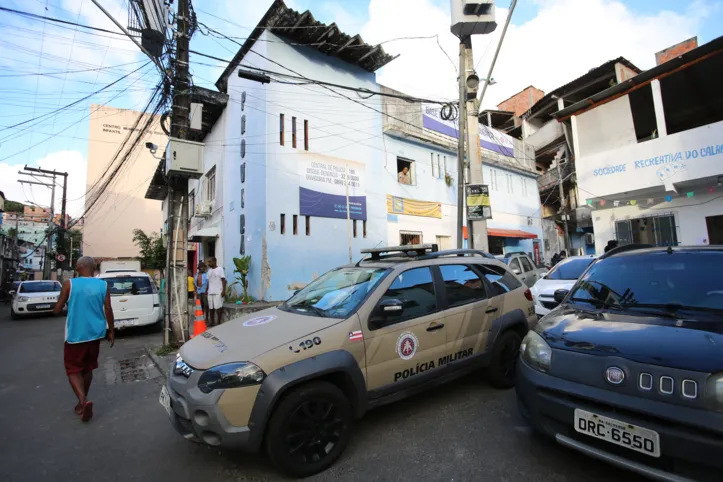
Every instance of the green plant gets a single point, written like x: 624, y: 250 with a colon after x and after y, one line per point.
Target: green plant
x: 153, y: 253
x: 242, y: 270
x: 166, y: 350
x: 448, y: 179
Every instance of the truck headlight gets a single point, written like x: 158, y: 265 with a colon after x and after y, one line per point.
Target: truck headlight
x: 536, y: 352
x: 715, y: 391
x: 23, y: 299
x: 231, y: 375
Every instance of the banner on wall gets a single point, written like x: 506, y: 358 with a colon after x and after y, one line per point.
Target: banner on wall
x: 412, y: 207
x: 322, y: 187
x: 490, y: 139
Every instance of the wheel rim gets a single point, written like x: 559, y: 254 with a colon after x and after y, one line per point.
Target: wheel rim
x: 508, y: 357
x: 314, y: 429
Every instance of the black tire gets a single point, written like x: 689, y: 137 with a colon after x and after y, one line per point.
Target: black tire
x: 503, y: 365
x: 310, y: 414
x: 13, y: 315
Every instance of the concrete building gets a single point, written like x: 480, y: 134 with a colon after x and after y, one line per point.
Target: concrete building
x: 555, y: 154
x: 108, y: 230
x: 649, y: 157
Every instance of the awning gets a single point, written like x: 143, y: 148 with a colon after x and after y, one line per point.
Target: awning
x: 199, y: 235
x: 510, y: 233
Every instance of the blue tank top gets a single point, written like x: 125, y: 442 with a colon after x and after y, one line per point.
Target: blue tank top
x: 86, y: 316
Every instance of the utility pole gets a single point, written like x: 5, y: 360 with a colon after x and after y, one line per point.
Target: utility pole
x: 563, y: 204
x: 469, y: 19
x: 178, y: 187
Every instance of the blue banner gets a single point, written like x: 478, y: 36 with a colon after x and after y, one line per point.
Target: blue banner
x: 324, y: 205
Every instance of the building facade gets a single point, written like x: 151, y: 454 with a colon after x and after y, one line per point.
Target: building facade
x: 649, y: 153
x: 108, y: 227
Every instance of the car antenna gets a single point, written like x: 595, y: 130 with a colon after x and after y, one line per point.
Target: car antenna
x: 669, y: 250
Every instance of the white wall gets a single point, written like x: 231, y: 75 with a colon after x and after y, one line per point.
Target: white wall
x: 690, y: 214
x: 604, y: 128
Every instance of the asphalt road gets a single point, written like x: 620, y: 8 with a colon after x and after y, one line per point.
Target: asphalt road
x: 466, y: 431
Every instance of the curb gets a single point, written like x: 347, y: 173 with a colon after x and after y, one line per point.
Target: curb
x: 162, y: 363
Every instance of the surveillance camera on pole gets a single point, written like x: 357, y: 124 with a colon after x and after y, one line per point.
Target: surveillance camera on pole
x: 472, y: 17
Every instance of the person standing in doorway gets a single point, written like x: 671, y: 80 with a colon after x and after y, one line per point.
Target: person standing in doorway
x: 191, y: 285
x: 216, y: 290
x: 90, y: 319
x: 202, y: 288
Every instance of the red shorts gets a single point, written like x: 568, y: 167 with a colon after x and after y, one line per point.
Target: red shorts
x: 81, y: 357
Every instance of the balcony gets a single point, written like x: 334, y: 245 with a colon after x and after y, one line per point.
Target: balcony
x: 551, y: 178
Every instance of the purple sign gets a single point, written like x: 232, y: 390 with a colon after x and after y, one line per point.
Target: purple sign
x: 489, y: 138
x: 325, y: 205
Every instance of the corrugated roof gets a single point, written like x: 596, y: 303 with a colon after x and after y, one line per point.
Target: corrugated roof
x: 302, y: 28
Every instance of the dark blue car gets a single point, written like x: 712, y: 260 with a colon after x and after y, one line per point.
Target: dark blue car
x: 629, y: 367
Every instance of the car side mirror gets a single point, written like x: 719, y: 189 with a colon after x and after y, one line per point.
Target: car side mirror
x: 560, y: 295
x: 389, y: 308
x: 516, y: 271
x: 12, y: 292
x: 543, y: 275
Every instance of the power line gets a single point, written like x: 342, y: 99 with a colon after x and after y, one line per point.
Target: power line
x: 57, y: 20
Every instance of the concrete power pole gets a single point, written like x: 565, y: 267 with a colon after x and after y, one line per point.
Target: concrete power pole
x: 178, y: 188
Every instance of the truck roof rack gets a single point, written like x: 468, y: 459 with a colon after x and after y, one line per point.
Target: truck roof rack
x: 417, y: 249
x: 457, y: 252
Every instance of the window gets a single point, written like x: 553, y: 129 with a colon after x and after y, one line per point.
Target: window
x: 191, y: 204
x: 40, y: 287
x: 655, y: 230
x: 282, y: 224
x: 129, y: 285
x: 502, y: 281
x: 243, y: 124
x: 570, y: 269
x: 439, y: 166
x: 354, y: 227
x: 242, y: 198
x: 211, y: 185
x: 431, y: 154
x: 308, y: 225
x: 281, y: 129
x: 515, y: 266
x: 243, y: 148
x: 364, y: 228
x: 405, y: 171
x: 415, y: 289
x: 293, y: 132
x: 526, y: 265
x: 243, y: 173
x: 462, y: 285
x: 306, y: 135
x: 409, y: 237
x: 643, y: 111
x: 295, y: 221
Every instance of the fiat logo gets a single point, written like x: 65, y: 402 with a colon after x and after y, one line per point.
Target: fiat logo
x: 615, y: 375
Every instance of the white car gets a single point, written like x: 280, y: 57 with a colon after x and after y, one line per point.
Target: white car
x: 33, y: 297
x: 562, y: 276
x: 134, y: 298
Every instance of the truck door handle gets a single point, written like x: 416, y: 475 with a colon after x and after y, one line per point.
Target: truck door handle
x: 436, y: 327
x: 490, y: 310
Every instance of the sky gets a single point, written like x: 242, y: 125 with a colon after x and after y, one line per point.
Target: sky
x: 549, y: 43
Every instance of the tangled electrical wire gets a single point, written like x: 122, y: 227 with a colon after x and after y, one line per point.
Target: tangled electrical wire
x: 449, y: 111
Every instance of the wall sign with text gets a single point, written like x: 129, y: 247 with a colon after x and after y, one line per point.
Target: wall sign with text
x: 478, y: 202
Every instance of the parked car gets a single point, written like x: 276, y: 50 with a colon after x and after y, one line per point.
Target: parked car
x: 34, y: 297
x: 562, y: 276
x: 629, y: 367
x: 524, y: 267
x: 134, y: 298
x: 293, y: 378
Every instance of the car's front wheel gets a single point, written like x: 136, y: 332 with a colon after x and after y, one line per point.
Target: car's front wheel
x: 309, y: 429
x: 13, y: 315
x: 503, y: 365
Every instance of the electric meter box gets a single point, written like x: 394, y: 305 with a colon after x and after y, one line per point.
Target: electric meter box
x: 184, y: 158
x: 472, y: 17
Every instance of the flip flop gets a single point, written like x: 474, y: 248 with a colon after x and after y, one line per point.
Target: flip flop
x: 78, y: 409
x: 86, y: 411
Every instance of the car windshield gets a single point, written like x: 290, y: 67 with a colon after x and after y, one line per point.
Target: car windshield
x: 335, y: 294
x: 129, y: 285
x: 569, y: 270
x: 40, y: 287
x: 681, y: 280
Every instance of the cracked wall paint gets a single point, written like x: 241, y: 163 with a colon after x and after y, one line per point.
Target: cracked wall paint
x: 265, y: 268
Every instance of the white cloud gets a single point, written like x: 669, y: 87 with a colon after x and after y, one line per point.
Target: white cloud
x: 566, y: 39
x: 72, y: 162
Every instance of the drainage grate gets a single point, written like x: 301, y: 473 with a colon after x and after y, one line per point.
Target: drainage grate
x: 136, y: 368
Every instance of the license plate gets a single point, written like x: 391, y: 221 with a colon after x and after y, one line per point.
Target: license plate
x: 122, y: 323
x: 42, y: 307
x: 620, y: 433
x: 165, y: 400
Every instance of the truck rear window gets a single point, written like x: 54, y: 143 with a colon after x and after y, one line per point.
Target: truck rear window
x: 129, y: 285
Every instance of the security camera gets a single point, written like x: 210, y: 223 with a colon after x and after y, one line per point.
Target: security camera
x: 151, y: 147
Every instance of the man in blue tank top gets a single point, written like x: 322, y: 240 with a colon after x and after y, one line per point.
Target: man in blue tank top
x: 90, y: 319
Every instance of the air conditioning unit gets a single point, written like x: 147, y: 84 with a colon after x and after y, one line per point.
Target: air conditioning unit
x: 471, y: 17
x: 184, y: 158
x: 589, y: 238
x: 204, y: 210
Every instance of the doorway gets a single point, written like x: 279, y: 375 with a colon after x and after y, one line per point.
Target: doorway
x: 444, y: 242
x: 654, y: 230
x: 409, y: 237
x: 715, y: 229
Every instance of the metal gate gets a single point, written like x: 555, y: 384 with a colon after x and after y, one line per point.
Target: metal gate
x: 663, y: 228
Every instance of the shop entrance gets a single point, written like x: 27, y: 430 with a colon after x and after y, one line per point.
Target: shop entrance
x: 715, y: 229
x: 655, y: 230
